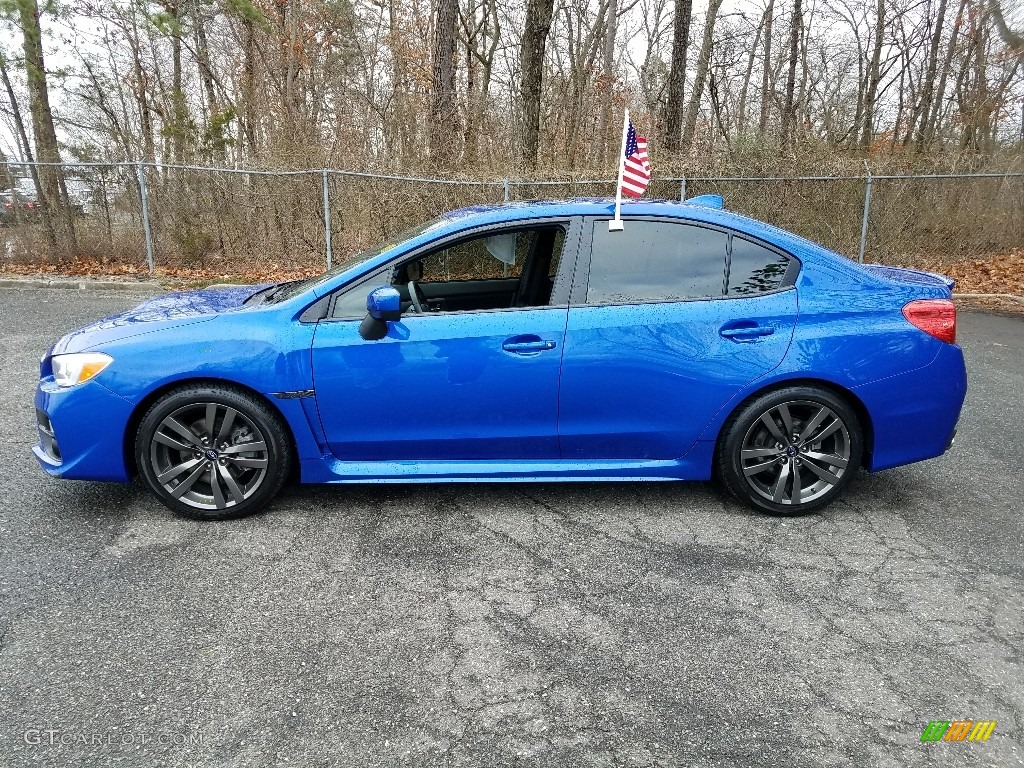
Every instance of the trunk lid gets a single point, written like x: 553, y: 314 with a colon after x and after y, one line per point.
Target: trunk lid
x: 933, y: 284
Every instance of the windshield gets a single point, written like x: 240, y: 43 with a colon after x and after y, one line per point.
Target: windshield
x: 287, y: 290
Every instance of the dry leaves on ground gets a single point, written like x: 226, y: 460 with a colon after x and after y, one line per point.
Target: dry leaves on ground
x: 112, y: 269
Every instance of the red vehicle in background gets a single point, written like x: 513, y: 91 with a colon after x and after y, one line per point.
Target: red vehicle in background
x: 16, y: 207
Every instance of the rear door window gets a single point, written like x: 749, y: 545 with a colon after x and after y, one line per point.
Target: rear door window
x: 673, y: 261
x: 656, y: 261
x: 754, y: 269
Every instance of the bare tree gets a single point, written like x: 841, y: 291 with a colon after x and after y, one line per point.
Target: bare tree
x: 51, y: 177
x: 442, y: 104
x: 674, y: 105
x: 766, y: 63
x: 607, y: 79
x: 26, y: 145
x: 874, y: 77
x: 919, y: 119
x: 535, y: 37
x: 1011, y: 37
x: 703, y: 63
x: 789, y: 109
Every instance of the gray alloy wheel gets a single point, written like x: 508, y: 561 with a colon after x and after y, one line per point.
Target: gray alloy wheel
x: 790, y: 451
x: 212, y: 452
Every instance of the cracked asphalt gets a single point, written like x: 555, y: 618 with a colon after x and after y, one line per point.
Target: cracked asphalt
x: 468, y: 625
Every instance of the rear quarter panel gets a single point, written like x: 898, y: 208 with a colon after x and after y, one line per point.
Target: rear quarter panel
x: 851, y: 334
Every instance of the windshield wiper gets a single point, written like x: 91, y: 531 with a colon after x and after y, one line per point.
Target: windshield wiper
x: 280, y: 291
x: 270, y: 294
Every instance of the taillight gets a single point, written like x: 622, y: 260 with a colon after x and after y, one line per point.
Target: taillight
x: 936, y: 317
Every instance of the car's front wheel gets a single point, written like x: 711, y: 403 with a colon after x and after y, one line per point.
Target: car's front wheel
x: 212, y: 452
x: 790, y: 451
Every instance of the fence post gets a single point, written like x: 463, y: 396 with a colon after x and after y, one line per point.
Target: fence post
x: 867, y: 209
x: 505, y: 197
x: 144, y: 197
x: 327, y: 217
x: 682, y: 189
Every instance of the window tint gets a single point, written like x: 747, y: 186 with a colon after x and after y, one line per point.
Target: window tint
x: 754, y: 269
x: 655, y: 261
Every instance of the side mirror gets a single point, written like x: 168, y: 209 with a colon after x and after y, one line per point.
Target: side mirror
x: 383, y: 304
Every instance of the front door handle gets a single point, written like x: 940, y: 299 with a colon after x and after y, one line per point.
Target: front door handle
x: 744, y: 330
x: 527, y: 345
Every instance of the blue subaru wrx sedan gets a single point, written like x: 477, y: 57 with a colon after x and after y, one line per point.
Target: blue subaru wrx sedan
x: 521, y: 342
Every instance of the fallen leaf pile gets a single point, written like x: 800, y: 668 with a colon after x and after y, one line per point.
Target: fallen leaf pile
x: 112, y: 269
x: 997, y: 274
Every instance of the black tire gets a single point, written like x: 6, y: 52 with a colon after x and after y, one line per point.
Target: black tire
x: 822, y: 450
x: 231, y: 468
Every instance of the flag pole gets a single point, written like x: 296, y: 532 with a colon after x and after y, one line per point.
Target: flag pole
x: 615, y: 225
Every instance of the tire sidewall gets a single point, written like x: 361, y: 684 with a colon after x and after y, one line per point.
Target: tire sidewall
x: 729, y: 465
x: 274, y: 436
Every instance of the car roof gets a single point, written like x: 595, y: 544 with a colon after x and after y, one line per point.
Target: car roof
x: 476, y: 215
x: 471, y: 217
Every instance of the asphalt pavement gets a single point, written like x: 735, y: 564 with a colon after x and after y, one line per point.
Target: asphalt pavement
x: 468, y: 625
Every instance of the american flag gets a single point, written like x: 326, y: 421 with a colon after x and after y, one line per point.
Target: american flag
x: 636, y: 171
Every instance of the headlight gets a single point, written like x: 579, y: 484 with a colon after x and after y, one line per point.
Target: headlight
x: 69, y: 370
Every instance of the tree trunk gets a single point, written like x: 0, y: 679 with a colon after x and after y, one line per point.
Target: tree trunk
x: 535, y: 38
x: 26, y: 147
x: 442, y: 102
x: 473, y: 31
x: 677, y: 76
x: 789, y: 109
x: 920, y: 118
x: 940, y: 89
x: 206, y: 75
x: 703, y: 64
x: 51, y: 177
x: 141, y: 90
x: 247, y: 119
x: 874, y: 77
x: 741, y: 107
x: 769, y: 16
x: 606, y: 82
x: 1009, y: 36
x: 179, y: 110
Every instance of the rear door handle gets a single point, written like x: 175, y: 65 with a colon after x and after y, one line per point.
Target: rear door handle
x: 745, y: 330
x: 528, y: 344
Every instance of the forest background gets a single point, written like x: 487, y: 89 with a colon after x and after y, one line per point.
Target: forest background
x: 117, y: 113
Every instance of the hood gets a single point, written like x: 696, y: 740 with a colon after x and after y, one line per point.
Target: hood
x: 166, y: 311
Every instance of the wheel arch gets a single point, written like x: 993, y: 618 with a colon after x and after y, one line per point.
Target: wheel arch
x: 128, y: 447
x: 847, y: 395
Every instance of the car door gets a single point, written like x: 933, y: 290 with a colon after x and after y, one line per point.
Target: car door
x: 669, y: 320
x: 447, y: 384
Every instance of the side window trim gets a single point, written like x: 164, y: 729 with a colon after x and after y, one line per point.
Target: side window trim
x: 581, y: 276
x: 361, y: 284
x: 571, y: 246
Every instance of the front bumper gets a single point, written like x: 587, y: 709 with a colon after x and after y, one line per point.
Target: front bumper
x: 81, y: 431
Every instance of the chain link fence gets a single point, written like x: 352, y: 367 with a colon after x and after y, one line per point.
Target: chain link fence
x: 244, y: 221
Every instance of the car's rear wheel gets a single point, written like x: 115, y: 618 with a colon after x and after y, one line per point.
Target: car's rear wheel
x: 790, y: 451
x: 212, y: 452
